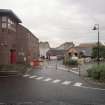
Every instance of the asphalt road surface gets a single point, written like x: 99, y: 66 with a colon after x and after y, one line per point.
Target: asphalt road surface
x: 49, y: 86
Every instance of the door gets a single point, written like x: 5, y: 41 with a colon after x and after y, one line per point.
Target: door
x: 13, y: 56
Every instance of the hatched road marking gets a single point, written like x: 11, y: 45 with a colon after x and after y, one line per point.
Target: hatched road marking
x: 33, y: 76
x: 66, y: 83
x: 39, y: 78
x: 56, y: 81
x: 47, y: 79
x: 78, y: 84
x: 26, y: 75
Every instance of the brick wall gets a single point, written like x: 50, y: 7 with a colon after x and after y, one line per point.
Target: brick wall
x: 23, y: 41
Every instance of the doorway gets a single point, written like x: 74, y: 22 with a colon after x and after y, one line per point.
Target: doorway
x: 13, y: 56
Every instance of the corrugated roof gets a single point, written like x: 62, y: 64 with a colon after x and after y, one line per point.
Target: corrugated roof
x: 86, y: 51
x: 10, y: 13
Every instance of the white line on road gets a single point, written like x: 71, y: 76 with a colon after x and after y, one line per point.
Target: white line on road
x: 92, y: 88
x: 74, y: 71
x: 74, y: 68
x: 39, y: 78
x: 26, y: 75
x: 33, y: 76
x: 78, y: 84
x: 66, y: 83
x: 62, y: 68
x: 65, y: 69
x: 47, y: 79
x: 56, y: 81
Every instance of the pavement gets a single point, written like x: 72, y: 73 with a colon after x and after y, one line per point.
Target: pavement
x: 13, y: 70
x: 49, y: 86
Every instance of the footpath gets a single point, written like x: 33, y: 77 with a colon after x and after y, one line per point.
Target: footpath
x: 13, y: 70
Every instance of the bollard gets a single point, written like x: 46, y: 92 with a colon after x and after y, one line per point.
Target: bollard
x: 79, y: 70
x: 56, y: 65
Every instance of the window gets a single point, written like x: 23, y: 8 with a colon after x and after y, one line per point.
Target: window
x: 70, y: 54
x: 11, y: 25
x: 4, y: 18
x: 76, y: 54
x: 4, y: 25
x: 9, y: 21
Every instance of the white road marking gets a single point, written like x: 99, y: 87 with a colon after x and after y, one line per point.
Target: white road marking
x: 62, y: 68
x: 65, y: 69
x: 56, y: 81
x: 78, y: 84
x: 75, y: 68
x: 74, y: 72
x: 39, y: 78
x: 47, y: 79
x: 26, y: 75
x: 33, y: 76
x: 66, y: 82
x: 92, y: 88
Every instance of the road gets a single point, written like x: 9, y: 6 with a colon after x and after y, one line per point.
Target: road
x: 48, y: 86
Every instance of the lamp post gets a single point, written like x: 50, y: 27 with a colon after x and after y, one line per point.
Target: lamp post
x: 96, y: 27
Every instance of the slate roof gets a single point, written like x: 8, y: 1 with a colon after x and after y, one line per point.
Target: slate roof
x: 88, y: 45
x: 86, y: 51
x: 55, y: 52
x: 65, y: 46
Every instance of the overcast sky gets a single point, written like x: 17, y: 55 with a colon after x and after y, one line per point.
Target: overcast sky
x: 58, y: 21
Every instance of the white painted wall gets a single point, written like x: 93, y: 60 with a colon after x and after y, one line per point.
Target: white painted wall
x: 43, y: 51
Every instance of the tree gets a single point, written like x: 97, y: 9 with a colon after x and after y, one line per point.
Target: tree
x: 101, y: 52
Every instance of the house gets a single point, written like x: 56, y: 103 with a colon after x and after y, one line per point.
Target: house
x: 43, y: 48
x: 17, y: 43
x: 55, y: 53
x: 80, y: 51
x: 84, y: 50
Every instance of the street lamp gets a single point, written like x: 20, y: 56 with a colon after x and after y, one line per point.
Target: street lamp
x: 96, y: 27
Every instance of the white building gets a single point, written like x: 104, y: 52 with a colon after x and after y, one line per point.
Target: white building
x: 43, y: 48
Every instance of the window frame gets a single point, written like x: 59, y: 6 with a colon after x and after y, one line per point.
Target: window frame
x: 4, y: 20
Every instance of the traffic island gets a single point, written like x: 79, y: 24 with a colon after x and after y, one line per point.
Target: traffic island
x: 93, y: 82
x: 95, y: 75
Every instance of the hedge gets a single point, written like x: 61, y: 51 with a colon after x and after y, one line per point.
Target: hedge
x: 97, y: 72
x: 71, y: 62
